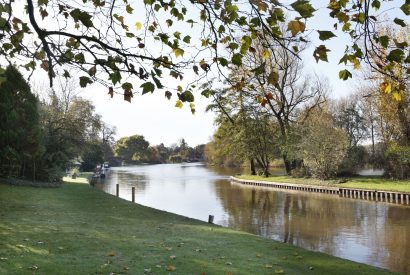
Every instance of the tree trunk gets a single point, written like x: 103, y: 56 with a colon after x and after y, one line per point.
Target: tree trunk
x: 253, y: 170
x: 288, y: 165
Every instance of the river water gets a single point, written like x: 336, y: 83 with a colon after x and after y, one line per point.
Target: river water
x: 373, y: 233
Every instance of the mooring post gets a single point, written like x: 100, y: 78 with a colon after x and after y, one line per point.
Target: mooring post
x: 133, y: 194
x: 117, y: 190
x: 211, y: 219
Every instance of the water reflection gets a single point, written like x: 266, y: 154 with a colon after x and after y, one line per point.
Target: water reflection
x: 368, y: 232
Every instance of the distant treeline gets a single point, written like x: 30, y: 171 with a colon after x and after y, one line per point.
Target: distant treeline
x: 135, y: 149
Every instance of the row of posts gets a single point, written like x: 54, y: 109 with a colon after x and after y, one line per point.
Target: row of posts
x: 117, y: 194
x: 392, y: 197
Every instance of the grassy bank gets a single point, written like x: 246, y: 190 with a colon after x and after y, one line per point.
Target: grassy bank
x: 372, y: 183
x: 77, y: 229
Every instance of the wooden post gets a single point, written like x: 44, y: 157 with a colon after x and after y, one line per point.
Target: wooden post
x: 117, y: 190
x: 211, y: 219
x: 133, y: 194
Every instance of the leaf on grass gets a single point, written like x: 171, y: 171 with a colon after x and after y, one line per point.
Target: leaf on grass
x: 279, y: 271
x: 171, y: 268
x: 111, y: 253
x: 173, y: 257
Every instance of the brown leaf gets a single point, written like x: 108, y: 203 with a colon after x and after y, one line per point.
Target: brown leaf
x: 171, y: 268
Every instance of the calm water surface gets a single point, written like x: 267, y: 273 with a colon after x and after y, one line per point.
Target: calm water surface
x: 374, y: 233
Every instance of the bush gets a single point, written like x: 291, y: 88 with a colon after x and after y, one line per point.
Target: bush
x: 324, y: 146
x: 398, y: 161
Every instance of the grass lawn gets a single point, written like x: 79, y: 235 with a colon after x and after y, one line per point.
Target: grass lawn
x: 372, y: 183
x: 77, y: 229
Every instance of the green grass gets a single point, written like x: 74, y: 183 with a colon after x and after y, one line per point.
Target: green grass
x: 371, y: 183
x: 77, y: 229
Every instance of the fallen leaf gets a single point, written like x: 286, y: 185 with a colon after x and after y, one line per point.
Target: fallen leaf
x: 60, y: 248
x: 168, y: 248
x: 279, y: 271
x: 173, y: 257
x: 158, y: 266
x: 228, y: 263
x: 268, y: 266
x: 111, y: 254
x: 171, y: 268
x: 147, y: 270
x: 3, y: 259
x: 259, y: 255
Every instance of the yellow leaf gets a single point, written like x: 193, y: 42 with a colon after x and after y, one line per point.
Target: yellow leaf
x: 138, y: 26
x: 397, y: 96
x: 171, y: 268
x: 111, y: 254
x: 356, y: 64
x: 179, y: 105
x: 265, y: 54
x: 386, y: 87
x: 178, y: 52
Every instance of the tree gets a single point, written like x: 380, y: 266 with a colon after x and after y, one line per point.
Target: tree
x: 101, y: 39
x: 19, y: 127
x: 132, y: 148
x: 323, y: 144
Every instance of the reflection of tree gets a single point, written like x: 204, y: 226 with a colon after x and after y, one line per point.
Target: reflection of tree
x: 397, y: 238
x: 307, y: 220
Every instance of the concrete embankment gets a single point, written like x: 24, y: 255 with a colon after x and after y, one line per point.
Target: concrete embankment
x: 356, y: 193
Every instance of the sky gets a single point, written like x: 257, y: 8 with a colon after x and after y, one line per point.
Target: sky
x: 156, y: 118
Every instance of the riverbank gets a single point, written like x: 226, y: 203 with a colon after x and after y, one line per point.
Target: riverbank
x: 368, y: 183
x: 77, y: 229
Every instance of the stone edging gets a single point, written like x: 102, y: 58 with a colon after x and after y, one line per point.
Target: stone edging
x: 356, y: 193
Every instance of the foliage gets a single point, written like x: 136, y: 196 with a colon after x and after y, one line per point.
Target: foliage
x: 131, y: 148
x: 398, y: 158
x: 19, y: 127
x: 109, y: 41
x: 324, y: 146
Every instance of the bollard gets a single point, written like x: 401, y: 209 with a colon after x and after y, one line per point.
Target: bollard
x: 133, y: 194
x: 211, y: 219
x: 117, y: 190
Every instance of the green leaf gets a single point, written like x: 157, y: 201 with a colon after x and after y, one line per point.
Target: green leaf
x: 399, y: 22
x: 179, y: 104
x: 273, y: 78
x: 223, y: 61
x: 127, y: 86
x: 42, y: 2
x: 325, y: 35
x: 115, y: 77
x: 406, y: 9
x: 304, y: 8
x: 396, y: 55
x: 168, y: 95
x: 186, y: 96
x: 345, y: 74
x: 92, y: 71
x: 147, y: 87
x: 237, y: 59
x: 84, y: 81
x: 376, y: 4
x: 384, y: 41
x: 187, y: 39
x: 129, y: 9
x: 320, y: 53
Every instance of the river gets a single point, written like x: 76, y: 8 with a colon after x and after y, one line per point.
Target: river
x: 377, y: 234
